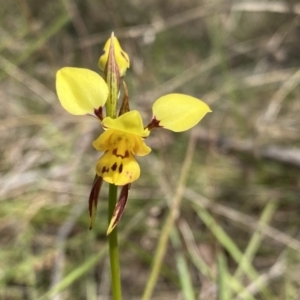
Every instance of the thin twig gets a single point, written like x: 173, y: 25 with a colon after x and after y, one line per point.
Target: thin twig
x: 283, y: 155
x: 276, y: 101
x: 244, y: 219
x: 34, y: 85
x: 272, y: 6
x: 277, y: 270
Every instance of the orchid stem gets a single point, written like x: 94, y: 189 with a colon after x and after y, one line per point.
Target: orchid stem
x: 113, y: 247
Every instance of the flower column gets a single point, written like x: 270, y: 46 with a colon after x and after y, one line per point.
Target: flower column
x: 114, y: 63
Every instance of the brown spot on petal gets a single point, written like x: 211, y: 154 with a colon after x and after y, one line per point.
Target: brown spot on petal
x: 114, y: 166
x: 104, y: 169
x: 120, y: 168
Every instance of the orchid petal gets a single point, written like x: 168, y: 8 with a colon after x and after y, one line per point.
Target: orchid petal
x: 80, y: 91
x: 130, y: 122
x: 102, y: 143
x: 178, y: 112
x: 140, y: 148
x: 118, y: 165
x: 111, y: 138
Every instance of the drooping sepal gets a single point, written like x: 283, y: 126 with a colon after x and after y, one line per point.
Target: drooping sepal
x: 81, y: 91
x: 119, y: 209
x: 178, y: 112
x: 93, y: 199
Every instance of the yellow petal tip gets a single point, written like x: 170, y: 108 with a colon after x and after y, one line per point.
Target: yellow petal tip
x: 111, y: 226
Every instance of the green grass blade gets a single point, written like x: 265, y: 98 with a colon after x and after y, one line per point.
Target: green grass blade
x: 182, y: 267
x: 223, y: 289
x: 230, y: 246
x: 256, y: 238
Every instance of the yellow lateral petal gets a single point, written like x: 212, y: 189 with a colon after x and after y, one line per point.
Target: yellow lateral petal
x: 121, y: 56
x: 130, y: 122
x: 102, y: 143
x: 80, y: 91
x: 140, y: 148
x: 179, y: 112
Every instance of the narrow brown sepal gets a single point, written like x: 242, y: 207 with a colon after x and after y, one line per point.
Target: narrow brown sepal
x: 93, y: 199
x: 125, y: 102
x: 119, y: 209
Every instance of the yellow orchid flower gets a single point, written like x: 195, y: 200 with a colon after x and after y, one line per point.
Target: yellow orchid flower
x: 82, y: 91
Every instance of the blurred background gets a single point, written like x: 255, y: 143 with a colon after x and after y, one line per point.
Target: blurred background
x: 238, y: 225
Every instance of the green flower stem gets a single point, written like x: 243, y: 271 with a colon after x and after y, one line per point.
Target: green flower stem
x: 112, y: 77
x: 113, y: 247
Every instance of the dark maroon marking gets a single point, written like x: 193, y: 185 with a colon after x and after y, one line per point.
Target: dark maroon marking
x: 153, y: 124
x: 120, y: 168
x: 114, y: 166
x: 104, y: 169
x: 93, y: 199
x: 120, y: 155
x: 122, y: 53
x: 98, y: 113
